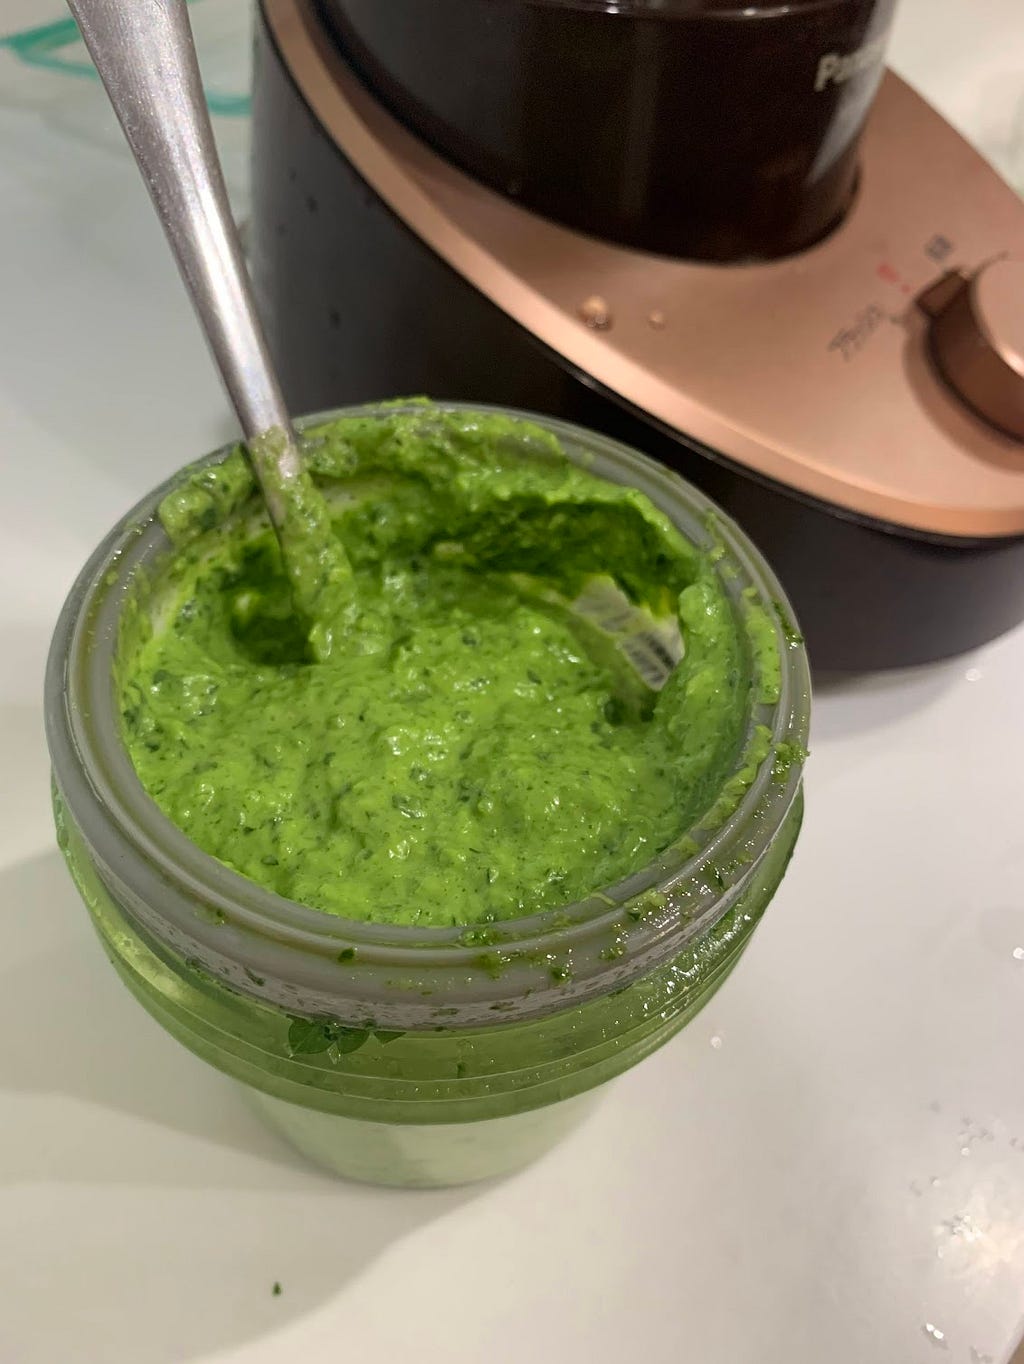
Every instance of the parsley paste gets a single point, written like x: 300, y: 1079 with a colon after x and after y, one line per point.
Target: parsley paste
x: 473, y: 748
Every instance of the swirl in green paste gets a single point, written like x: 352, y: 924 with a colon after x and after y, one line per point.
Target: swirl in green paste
x: 471, y: 750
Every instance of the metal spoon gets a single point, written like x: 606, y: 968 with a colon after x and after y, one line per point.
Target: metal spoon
x: 146, y: 58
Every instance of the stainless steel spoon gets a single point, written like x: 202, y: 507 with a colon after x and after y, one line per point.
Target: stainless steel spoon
x: 146, y: 59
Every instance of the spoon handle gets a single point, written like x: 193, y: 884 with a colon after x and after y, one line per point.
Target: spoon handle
x: 146, y: 59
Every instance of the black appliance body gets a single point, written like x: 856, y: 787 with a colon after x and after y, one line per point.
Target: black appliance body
x: 359, y: 307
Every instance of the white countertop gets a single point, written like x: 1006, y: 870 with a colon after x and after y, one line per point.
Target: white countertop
x: 830, y: 1158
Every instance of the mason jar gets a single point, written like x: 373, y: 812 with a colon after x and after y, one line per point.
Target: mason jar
x: 423, y: 1056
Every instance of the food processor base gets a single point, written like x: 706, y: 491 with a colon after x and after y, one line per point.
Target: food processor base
x: 358, y: 307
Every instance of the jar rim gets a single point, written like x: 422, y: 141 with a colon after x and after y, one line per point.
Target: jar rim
x: 320, y: 964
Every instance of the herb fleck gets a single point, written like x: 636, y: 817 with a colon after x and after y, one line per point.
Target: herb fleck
x: 312, y: 1036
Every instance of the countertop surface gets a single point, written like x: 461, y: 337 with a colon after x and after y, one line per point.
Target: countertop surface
x: 828, y: 1165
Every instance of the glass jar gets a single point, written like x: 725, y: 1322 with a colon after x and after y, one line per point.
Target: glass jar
x: 408, y: 1055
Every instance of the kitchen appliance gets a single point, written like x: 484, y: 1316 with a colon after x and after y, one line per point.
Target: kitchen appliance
x: 719, y: 232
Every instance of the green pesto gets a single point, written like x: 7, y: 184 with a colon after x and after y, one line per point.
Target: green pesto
x: 315, y: 562
x: 468, y: 751
x: 314, y: 559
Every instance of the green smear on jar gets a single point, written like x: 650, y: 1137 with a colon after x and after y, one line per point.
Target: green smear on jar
x: 471, y: 751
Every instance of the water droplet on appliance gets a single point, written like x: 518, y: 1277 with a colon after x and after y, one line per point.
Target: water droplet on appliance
x: 979, y: 1356
x: 656, y: 319
x: 595, y: 313
x: 716, y: 1042
x: 1018, y: 954
x: 964, y: 1227
x: 934, y: 1334
x: 965, y: 1150
x: 935, y: 1181
x: 973, y: 674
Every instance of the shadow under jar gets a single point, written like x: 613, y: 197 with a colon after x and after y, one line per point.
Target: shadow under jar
x: 423, y: 1056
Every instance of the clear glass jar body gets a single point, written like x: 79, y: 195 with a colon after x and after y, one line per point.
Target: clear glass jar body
x: 405, y: 1056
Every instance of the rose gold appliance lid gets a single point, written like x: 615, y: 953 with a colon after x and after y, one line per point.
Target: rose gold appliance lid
x: 880, y: 371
